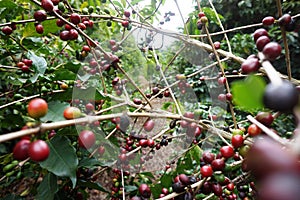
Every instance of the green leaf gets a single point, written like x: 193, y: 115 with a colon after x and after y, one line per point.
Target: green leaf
x: 89, y: 162
x: 39, y: 63
x: 166, y: 180
x: 135, y: 2
x: 64, y: 74
x: 62, y: 160
x: 55, y: 110
x: 118, y: 4
x: 47, y: 188
x: 196, y: 153
x: 92, y: 185
x: 166, y: 105
x: 248, y: 93
x: 130, y: 188
x: 9, y: 9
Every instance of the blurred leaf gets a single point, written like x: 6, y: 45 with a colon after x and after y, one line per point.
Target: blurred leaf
x: 118, y: 4
x: 47, y: 188
x: 130, y: 188
x: 135, y: 2
x: 8, y: 9
x: 89, y: 162
x: 62, y: 160
x: 196, y: 153
x: 248, y: 93
x: 64, y: 74
x: 92, y: 185
x: 39, y: 63
x: 55, y: 111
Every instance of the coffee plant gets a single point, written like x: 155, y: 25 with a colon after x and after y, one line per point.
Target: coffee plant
x: 99, y: 101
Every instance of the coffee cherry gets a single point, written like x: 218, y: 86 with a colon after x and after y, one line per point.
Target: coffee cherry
x: 206, y: 171
x: 218, y: 164
x: 266, y: 157
x: 47, y: 5
x: 227, y: 151
x: 143, y: 143
x: 137, y: 101
x: 149, y: 125
x: 125, y: 23
x: 167, y: 93
x: 27, y: 62
x: 285, y: 20
x: 268, y: 21
x: 208, y: 157
x: 204, y: 19
x: 72, y: 113
x: 86, y: 139
x: 20, y: 151
x: 199, y: 24
x: 281, y: 97
x: 222, y: 80
x: 60, y: 23
x: 279, y: 186
x: 144, y: 190
x: 25, y: 68
x: 178, y: 187
x: 259, y: 32
x: 101, y: 150
x: 265, y: 118
x: 155, y: 90
x: 217, y: 45
x: 272, y: 50
x: 89, y: 107
x: 73, y: 34
x: 37, y: 108
x: 75, y: 18
x: 38, y: 150
x: 217, y: 189
x: 261, y: 42
x: 127, y: 13
x: 237, y: 141
x: 64, y: 35
x: 40, y: 15
x: 39, y: 28
x: 184, y: 179
x: 250, y: 65
x: 55, y: 2
x: 190, y: 115
x: 222, y: 97
x: 7, y: 30
x: 150, y: 143
x: 229, y: 96
x: 68, y: 27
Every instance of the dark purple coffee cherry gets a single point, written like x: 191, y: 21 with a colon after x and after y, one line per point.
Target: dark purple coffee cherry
x: 282, y: 97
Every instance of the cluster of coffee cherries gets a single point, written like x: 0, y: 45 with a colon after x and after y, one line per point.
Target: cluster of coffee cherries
x: 118, y: 84
x: 271, y: 50
x: 25, y: 65
x: 144, y: 192
x: 202, y: 20
x: 224, y: 97
x: 37, y: 150
x: 116, y: 188
x: 183, y: 85
x: 126, y: 21
x: 8, y: 30
x: 275, y: 93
